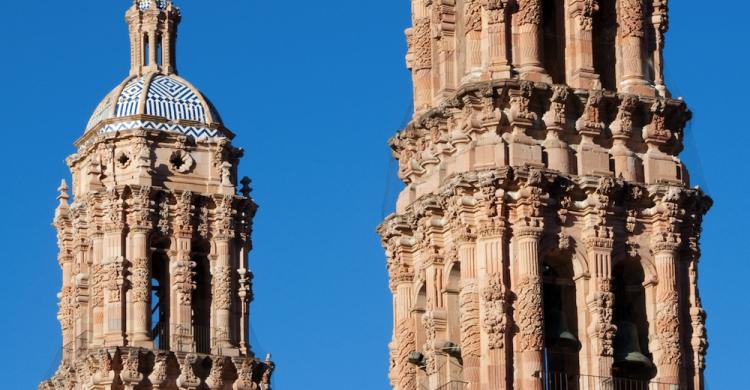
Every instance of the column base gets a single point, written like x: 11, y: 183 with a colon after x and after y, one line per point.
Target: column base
x: 501, y: 72
x: 637, y: 86
x: 586, y: 80
x: 534, y: 73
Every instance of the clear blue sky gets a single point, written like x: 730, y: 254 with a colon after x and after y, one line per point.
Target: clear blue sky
x: 314, y: 90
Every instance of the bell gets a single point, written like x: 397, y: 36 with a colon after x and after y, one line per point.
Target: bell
x: 628, y: 354
x: 560, y: 335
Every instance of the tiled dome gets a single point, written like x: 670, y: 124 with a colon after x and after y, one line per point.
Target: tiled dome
x: 169, y: 102
x: 146, y: 4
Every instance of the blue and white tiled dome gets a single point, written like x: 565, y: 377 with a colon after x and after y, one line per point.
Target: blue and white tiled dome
x: 146, y: 4
x: 157, y: 102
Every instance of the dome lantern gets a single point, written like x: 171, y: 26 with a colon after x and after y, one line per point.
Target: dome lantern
x: 153, y: 30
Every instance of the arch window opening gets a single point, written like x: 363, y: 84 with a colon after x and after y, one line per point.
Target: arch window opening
x: 553, y: 29
x: 562, y: 343
x: 604, y: 43
x: 146, y: 50
x: 202, y: 300
x: 160, y: 300
x: 159, y: 50
x: 632, y: 359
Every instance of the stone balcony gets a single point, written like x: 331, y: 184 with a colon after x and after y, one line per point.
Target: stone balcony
x: 524, y: 124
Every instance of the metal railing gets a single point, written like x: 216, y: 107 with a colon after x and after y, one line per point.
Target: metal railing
x: 178, y: 337
x: 563, y: 381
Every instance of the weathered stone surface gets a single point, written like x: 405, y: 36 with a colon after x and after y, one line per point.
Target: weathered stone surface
x: 548, y: 184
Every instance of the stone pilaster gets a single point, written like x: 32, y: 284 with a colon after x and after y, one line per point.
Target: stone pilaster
x: 473, y: 30
x: 443, y: 14
x: 580, y: 44
x: 496, y: 38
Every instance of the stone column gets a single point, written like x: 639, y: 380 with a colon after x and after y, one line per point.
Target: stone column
x: 140, y: 268
x: 113, y: 270
x: 631, y: 54
x: 664, y: 247
x: 600, y: 303
x: 245, y: 293
x: 699, y: 342
x: 496, y: 38
x: 422, y: 48
x: 221, y: 289
x: 168, y: 56
x: 529, y: 310
x: 221, y: 292
x: 153, y: 45
x: 528, y: 21
x: 580, y: 45
x: 405, y: 372
x: 97, y: 288
x: 473, y: 31
x: 182, y: 277
x: 435, y: 320
x: 660, y: 21
x: 470, y: 311
x: 493, y: 310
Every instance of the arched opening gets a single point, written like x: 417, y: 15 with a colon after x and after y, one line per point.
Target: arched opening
x: 160, y: 322
x: 202, y: 298
x: 159, y: 50
x: 146, y: 50
x: 561, y: 322
x: 420, y: 337
x: 632, y: 358
x: 604, y: 37
x: 553, y: 28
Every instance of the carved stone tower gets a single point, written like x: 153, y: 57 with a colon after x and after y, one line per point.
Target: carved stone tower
x: 154, y: 245
x: 547, y: 237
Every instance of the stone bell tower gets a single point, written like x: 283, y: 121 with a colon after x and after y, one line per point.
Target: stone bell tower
x: 154, y: 244
x: 547, y: 236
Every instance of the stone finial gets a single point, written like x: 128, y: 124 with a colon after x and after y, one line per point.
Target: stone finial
x: 63, y: 196
x: 246, y: 189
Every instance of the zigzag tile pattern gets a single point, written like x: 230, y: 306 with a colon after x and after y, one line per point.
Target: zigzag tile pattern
x: 194, y: 131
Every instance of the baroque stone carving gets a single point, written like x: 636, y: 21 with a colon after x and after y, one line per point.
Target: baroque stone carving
x: 632, y: 18
x: 529, y: 315
x: 529, y: 12
x: 494, y: 301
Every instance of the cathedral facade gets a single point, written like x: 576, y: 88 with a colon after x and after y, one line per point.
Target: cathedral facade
x: 547, y: 235
x: 154, y: 242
